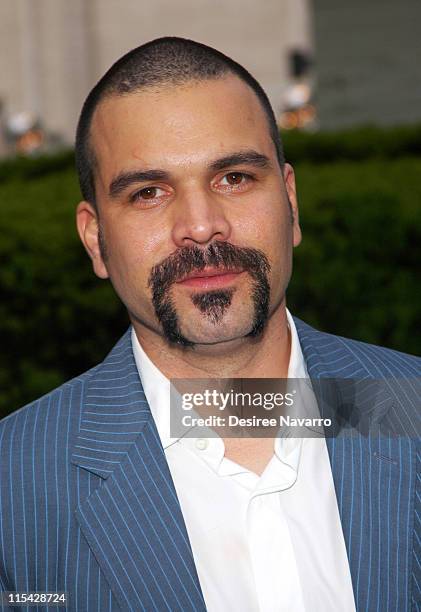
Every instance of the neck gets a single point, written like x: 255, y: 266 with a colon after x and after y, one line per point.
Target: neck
x: 263, y: 357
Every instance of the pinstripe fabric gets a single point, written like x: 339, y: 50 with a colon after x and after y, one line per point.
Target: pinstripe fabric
x: 88, y: 505
x: 41, y: 544
x: 375, y: 476
x: 114, y: 543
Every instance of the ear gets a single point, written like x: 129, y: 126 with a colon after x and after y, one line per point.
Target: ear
x: 88, y: 227
x: 289, y: 180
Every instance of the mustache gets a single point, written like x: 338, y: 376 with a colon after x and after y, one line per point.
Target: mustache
x: 218, y: 254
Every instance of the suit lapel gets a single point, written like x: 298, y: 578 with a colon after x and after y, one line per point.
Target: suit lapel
x: 374, y: 478
x: 133, y: 521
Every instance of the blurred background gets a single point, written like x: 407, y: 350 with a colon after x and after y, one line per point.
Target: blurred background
x: 344, y: 80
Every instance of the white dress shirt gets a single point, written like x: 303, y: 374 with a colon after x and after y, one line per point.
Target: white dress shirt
x: 269, y: 543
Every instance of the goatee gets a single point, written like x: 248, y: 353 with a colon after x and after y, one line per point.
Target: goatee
x: 213, y: 304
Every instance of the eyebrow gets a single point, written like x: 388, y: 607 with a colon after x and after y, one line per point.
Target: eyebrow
x: 125, y: 179
x: 249, y: 158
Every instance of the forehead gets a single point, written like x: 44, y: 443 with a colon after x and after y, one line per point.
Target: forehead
x: 178, y: 124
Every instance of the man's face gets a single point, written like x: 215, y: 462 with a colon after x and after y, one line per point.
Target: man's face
x: 196, y: 230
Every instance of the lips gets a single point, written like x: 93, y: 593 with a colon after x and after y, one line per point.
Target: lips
x: 209, y: 273
x: 210, y: 277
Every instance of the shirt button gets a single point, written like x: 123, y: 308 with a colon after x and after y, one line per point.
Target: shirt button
x: 201, y: 444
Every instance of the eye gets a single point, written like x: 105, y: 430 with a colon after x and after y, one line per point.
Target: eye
x: 235, y: 179
x: 147, y: 194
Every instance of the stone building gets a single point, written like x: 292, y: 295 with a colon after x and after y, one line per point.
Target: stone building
x: 366, y: 67
x: 53, y: 51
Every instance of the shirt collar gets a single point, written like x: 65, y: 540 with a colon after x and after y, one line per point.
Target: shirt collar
x: 157, y: 387
x: 297, y: 366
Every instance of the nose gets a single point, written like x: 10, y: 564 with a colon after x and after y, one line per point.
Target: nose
x: 199, y: 219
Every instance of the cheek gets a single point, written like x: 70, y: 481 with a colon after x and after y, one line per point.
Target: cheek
x: 270, y: 229
x: 126, y: 262
x: 134, y: 243
x: 275, y: 238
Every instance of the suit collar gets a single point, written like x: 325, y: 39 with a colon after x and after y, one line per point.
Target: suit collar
x: 114, y: 414
x: 116, y: 411
x: 346, y: 387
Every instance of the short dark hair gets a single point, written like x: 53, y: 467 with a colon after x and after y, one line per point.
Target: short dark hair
x: 169, y: 60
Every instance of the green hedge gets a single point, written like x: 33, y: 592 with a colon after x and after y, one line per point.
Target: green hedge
x: 354, y: 273
x: 357, y: 144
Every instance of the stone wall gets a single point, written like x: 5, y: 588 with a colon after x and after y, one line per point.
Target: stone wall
x: 368, y: 56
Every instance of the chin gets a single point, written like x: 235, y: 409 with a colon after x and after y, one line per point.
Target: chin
x: 215, y: 334
x: 211, y: 318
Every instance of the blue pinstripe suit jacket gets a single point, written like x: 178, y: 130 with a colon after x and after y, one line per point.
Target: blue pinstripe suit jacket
x: 88, y: 505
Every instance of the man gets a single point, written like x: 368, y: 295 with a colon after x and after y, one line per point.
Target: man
x: 191, y: 211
